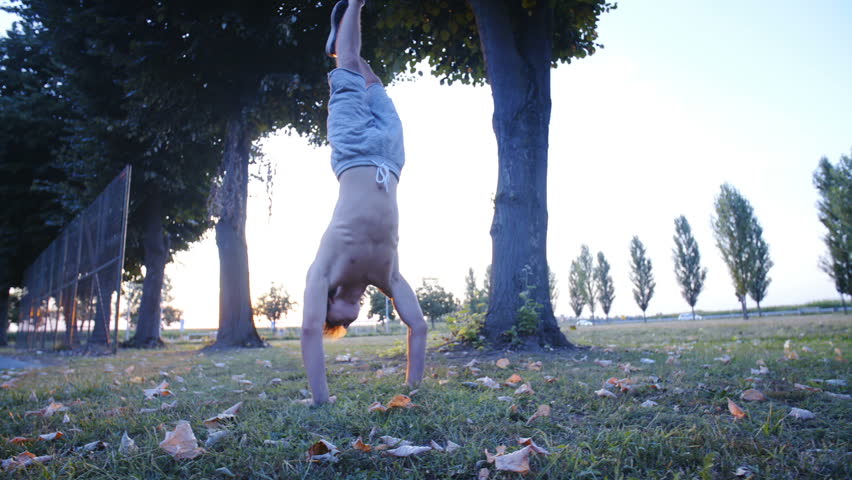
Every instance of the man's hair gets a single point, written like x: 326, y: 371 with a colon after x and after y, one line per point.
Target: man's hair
x: 333, y: 331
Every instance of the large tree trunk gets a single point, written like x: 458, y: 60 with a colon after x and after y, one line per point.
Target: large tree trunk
x: 517, y: 49
x: 156, y: 250
x: 4, y: 314
x: 745, y: 309
x: 236, y: 324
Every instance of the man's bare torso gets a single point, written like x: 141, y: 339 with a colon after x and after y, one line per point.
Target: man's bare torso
x: 359, y: 246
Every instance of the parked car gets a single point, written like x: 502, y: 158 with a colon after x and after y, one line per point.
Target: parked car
x: 584, y: 323
x: 688, y: 316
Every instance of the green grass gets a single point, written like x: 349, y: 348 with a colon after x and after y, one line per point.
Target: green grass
x: 690, y: 434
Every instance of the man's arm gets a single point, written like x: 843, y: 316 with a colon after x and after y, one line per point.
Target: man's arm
x: 408, y: 307
x: 314, y: 312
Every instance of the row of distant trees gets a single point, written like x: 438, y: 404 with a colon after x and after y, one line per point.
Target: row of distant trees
x: 739, y: 238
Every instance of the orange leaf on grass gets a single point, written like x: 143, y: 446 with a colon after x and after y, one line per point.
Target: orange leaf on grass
x: 735, y: 410
x: 534, y: 366
x: 543, y: 411
x: 323, y: 451
x: 19, y: 440
x: 503, y: 362
x: 358, y: 444
x: 377, y: 407
x: 400, y: 401
x: 513, y: 380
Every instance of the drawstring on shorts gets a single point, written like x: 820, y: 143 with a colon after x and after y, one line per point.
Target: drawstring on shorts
x: 382, y: 174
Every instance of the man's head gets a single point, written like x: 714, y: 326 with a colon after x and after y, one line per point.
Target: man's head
x: 344, y: 304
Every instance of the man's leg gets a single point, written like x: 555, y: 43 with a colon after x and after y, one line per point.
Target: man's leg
x: 348, y: 45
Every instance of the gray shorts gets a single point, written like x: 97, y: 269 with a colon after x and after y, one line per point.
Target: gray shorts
x: 363, y: 126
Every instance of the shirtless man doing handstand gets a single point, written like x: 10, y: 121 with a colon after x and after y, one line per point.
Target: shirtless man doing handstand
x: 359, y: 247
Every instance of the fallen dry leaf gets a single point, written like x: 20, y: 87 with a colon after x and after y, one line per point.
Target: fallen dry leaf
x: 528, y: 442
x: 51, y: 436
x: 525, y: 389
x: 839, y: 395
x: 23, y: 460
x: 489, y: 382
x: 20, y: 440
x: 518, y: 462
x: 215, y: 437
x: 377, y: 407
x: 550, y: 379
x: 406, y: 451
x: 603, y: 363
x: 649, y: 404
x: 94, y: 446
x: 789, y: 352
x: 534, y: 366
x: 400, y: 401
x: 47, y: 411
x: 513, y: 380
x: 161, y: 390
x: 725, y: 359
x: 393, y: 441
x: 799, y: 386
x: 117, y: 411
x: 752, y: 395
x: 127, y: 446
x: 181, y: 443
x: 358, y: 444
x: 627, y: 367
x: 542, y: 411
x: 801, y: 414
x: 503, y: 363
x: 735, y: 410
x: 323, y: 451
x: 451, y: 446
x: 483, y: 474
x: 221, y: 419
x: 604, y: 393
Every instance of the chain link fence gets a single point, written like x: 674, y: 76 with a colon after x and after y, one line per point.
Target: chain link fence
x: 73, y: 289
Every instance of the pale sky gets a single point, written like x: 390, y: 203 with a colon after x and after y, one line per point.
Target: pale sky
x: 685, y: 96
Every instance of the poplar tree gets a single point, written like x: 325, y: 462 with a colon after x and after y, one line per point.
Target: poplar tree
x: 834, y: 208
x: 732, y: 227
x: 575, y: 288
x: 760, y: 264
x: 642, y: 275
x: 587, y: 267
x: 687, y: 263
x: 604, y: 287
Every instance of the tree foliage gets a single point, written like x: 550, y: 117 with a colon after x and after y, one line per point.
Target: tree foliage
x: 380, y: 305
x: 33, y: 122
x: 739, y: 239
x: 604, y: 286
x: 576, y: 292
x: 435, y: 302
x: 834, y: 185
x: 587, y: 278
x: 274, y: 304
x: 475, y: 298
x: 641, y: 274
x: 687, y: 263
x: 760, y: 264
